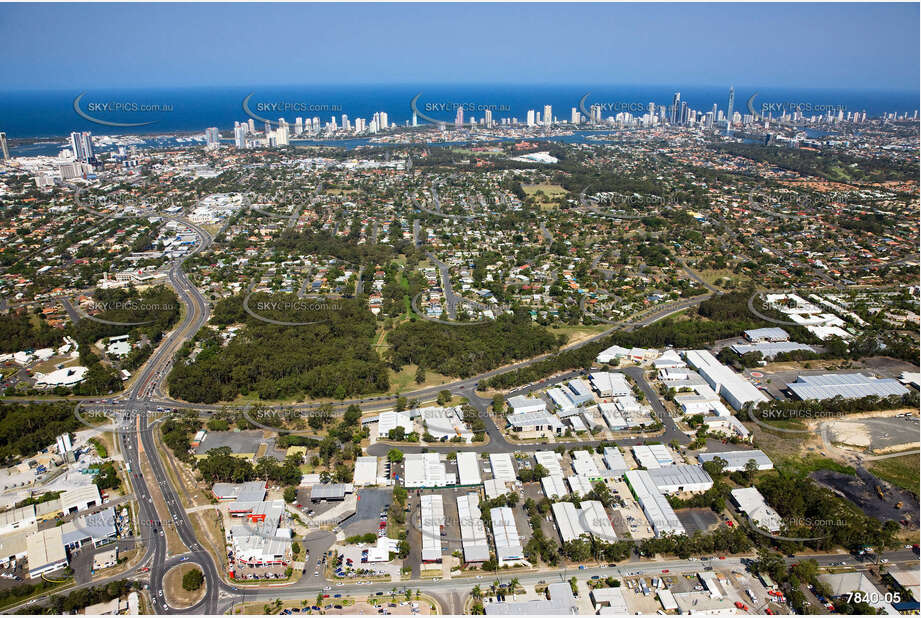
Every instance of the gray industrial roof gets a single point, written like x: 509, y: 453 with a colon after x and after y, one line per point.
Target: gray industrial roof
x: 847, y: 385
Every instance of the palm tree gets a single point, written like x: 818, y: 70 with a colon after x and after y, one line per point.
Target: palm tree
x: 477, y: 593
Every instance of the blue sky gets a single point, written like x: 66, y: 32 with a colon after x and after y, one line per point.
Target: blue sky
x: 80, y: 46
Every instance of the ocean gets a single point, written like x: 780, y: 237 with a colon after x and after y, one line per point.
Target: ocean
x: 52, y: 114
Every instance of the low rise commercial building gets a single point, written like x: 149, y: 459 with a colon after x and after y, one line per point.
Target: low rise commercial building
x: 737, y: 460
x: 432, y: 522
x: 505, y: 535
x: 750, y: 501
x: 846, y: 385
x: 658, y: 511
x: 473, y: 531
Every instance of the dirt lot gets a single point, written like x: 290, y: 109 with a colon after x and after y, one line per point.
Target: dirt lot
x: 861, y: 490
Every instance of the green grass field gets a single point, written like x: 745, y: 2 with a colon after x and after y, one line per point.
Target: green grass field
x: 900, y: 471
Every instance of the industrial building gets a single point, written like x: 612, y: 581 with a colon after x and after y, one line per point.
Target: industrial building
x: 473, y: 532
x: 658, y: 511
x: 610, y: 384
x: 561, y: 603
x: 733, y: 387
x: 736, y: 460
x: 583, y: 464
x: 80, y: 499
x: 770, y: 334
x: 525, y: 405
x: 432, y: 522
x: 580, y: 485
x: 17, y: 519
x: 325, y: 492
x: 493, y: 488
x: 445, y: 423
x: 261, y: 541
x: 45, y: 550
x: 614, y: 460
x: 677, y: 479
x: 426, y: 470
x: 750, y: 501
x: 533, y: 424
x: 846, y: 385
x: 365, y: 471
x: 770, y: 349
x: 387, y: 421
x: 652, y: 456
x: 588, y: 518
x: 253, y: 491
x: 502, y: 467
x: 468, y: 469
x: 505, y: 535
x: 550, y: 461
x: 554, y: 487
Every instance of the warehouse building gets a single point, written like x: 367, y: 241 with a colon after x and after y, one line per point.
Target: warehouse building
x: 432, y: 522
x: 846, y: 385
x: 45, y: 551
x: 17, y: 519
x: 771, y: 334
x: 579, y: 485
x: 588, y: 518
x: 473, y: 532
x: 550, y: 460
x: 533, y: 424
x: 658, y: 511
x: 260, y: 541
x: 731, y: 386
x: 736, y: 460
x: 583, y: 464
x: 525, y: 405
x: 750, y: 501
x: 253, y: 491
x: 326, y: 492
x: 610, y: 384
x: 560, y: 399
x: 502, y: 467
x: 596, y: 521
x: 391, y: 420
x: 505, y: 535
x: 566, y: 516
x: 561, y: 603
x: 468, y: 469
x: 677, y: 479
x: 445, y: 423
x: 426, y: 470
x: 80, y: 499
x: 727, y: 425
x: 769, y: 349
x: 614, y: 460
x: 579, y: 392
x: 610, y: 601
x: 493, y: 488
x: 520, y: 404
x: 554, y: 487
x: 652, y: 456
x: 365, y: 471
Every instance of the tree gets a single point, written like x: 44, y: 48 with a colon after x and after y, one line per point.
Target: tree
x: 193, y: 580
x: 716, y: 467
x: 420, y: 374
x: 444, y: 397
x: 498, y: 403
x: 395, y: 455
x: 290, y: 494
